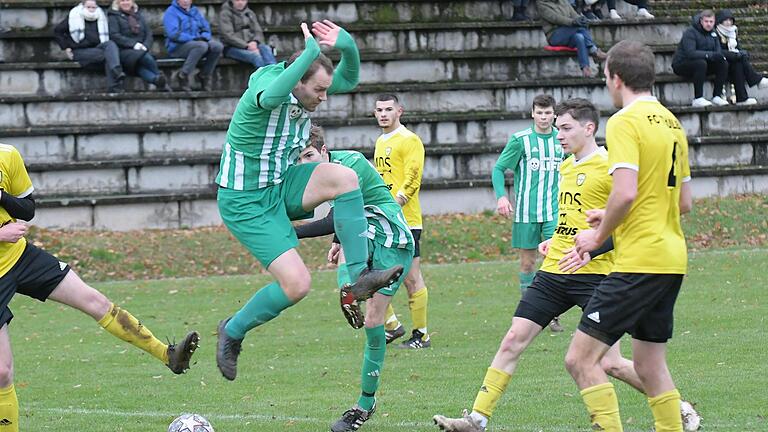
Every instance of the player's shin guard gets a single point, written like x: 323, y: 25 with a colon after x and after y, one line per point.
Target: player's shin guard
x: 418, y: 305
x: 494, y: 385
x: 525, y: 280
x: 603, y: 407
x: 350, y: 225
x: 666, y: 411
x: 373, y: 363
x: 121, y: 324
x: 9, y: 410
x: 264, y: 306
x: 390, y: 319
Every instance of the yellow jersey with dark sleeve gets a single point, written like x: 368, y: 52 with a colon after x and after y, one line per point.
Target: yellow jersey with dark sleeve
x: 399, y: 158
x: 645, y: 137
x: 14, y: 180
x: 584, y: 185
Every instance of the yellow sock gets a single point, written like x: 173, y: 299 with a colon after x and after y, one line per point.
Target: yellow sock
x: 494, y: 384
x: 666, y: 411
x: 121, y: 324
x: 390, y: 319
x: 418, y: 305
x: 9, y: 410
x: 603, y: 407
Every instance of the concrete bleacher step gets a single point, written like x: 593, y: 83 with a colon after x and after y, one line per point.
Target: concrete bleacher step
x: 30, y: 14
x: 42, y: 111
x: 38, y: 45
x: 444, y: 163
x: 193, y: 208
x: 56, y: 78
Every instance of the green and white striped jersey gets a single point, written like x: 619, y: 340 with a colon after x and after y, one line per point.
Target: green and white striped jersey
x: 386, y: 223
x: 535, y: 159
x: 261, y: 143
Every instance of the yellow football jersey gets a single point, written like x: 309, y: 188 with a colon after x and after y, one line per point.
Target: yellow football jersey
x: 644, y: 136
x: 14, y: 180
x: 584, y: 185
x: 399, y: 158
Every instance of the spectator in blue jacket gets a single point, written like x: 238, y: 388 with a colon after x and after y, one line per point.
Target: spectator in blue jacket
x: 188, y: 36
x: 699, y: 54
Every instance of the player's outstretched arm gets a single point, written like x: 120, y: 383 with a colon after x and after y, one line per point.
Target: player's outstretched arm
x: 279, y: 89
x: 346, y: 76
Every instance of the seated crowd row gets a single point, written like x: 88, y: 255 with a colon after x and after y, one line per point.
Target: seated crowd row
x: 119, y: 42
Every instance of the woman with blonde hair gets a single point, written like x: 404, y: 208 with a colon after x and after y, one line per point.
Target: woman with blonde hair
x: 84, y: 36
x: 129, y: 30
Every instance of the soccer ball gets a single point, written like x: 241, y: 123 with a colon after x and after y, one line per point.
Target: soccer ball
x: 190, y: 423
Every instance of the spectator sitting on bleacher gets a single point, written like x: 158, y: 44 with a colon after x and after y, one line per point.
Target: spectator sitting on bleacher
x: 129, y: 30
x: 564, y: 26
x: 740, y: 68
x: 242, y: 35
x: 519, y: 7
x: 188, y: 36
x: 84, y: 35
x: 698, y: 55
x: 642, y: 9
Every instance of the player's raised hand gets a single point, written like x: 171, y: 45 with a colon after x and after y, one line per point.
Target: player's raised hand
x: 326, y: 32
x: 504, y: 207
x: 13, y: 232
x: 544, y: 247
x: 305, y: 30
x: 594, y: 217
x: 572, y: 261
x: 586, y: 241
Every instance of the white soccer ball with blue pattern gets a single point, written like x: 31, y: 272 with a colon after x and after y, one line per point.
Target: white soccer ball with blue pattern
x: 190, y: 423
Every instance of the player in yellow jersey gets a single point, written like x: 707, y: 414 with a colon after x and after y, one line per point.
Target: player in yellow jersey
x: 584, y: 184
x: 648, y: 158
x: 399, y: 158
x: 28, y: 270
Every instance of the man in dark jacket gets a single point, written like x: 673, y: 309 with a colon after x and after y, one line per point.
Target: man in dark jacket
x: 564, y: 26
x: 242, y: 35
x: 698, y: 55
x: 188, y: 36
x: 84, y: 35
x: 129, y: 30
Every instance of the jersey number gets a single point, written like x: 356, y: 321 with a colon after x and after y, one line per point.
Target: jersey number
x: 672, y: 179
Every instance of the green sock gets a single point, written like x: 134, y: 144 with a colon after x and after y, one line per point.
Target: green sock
x: 525, y: 280
x: 342, y: 275
x: 350, y: 225
x: 265, y: 305
x: 373, y: 363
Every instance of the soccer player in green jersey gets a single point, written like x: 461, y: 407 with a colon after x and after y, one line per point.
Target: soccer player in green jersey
x: 261, y: 189
x: 390, y: 243
x: 534, y: 155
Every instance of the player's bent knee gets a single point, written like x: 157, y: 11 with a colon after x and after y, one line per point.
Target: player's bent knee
x: 512, y: 345
x: 6, y: 374
x: 297, y: 285
x: 611, y: 367
x: 573, y: 363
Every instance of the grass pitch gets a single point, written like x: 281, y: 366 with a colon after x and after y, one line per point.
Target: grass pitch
x: 301, y: 371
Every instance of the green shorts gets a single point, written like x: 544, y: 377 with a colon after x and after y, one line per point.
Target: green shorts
x: 381, y: 257
x: 529, y: 235
x: 261, y: 219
